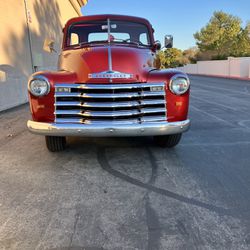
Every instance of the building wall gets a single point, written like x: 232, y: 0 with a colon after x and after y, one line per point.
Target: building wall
x: 46, y: 19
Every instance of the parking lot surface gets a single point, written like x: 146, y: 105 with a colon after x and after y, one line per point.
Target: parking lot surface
x: 126, y: 193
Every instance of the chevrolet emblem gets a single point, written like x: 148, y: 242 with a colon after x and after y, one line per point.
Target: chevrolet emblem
x: 110, y: 75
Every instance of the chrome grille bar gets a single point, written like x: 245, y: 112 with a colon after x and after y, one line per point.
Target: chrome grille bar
x: 111, y: 104
x: 109, y: 86
x: 110, y: 114
x: 110, y: 96
x: 117, y: 121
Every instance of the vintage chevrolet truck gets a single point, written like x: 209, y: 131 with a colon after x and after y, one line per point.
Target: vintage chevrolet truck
x: 108, y: 84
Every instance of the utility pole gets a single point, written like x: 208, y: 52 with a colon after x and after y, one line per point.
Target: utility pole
x: 29, y: 36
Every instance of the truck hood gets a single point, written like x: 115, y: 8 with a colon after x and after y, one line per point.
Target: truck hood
x: 93, y: 64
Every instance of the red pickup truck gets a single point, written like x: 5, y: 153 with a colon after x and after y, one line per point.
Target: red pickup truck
x: 108, y: 84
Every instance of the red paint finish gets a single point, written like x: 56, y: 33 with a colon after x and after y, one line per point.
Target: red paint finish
x: 132, y: 60
x: 42, y: 108
x: 75, y: 65
x: 174, y: 112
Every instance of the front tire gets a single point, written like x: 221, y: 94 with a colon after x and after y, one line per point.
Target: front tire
x: 55, y: 143
x: 167, y: 141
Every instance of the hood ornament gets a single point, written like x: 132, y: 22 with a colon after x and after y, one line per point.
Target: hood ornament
x: 110, y: 74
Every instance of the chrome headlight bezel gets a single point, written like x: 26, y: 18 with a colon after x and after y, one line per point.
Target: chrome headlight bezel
x: 176, y: 80
x: 39, y: 79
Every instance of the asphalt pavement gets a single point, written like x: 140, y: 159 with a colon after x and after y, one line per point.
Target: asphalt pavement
x: 126, y: 193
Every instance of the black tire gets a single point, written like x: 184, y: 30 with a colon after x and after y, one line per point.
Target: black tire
x: 55, y: 143
x: 167, y: 141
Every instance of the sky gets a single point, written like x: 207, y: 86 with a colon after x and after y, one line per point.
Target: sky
x: 180, y: 18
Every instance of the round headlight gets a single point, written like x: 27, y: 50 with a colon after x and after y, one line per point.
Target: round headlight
x: 179, y: 85
x: 39, y: 86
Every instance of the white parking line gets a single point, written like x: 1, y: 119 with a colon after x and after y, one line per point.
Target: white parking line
x: 215, y: 103
x: 213, y: 116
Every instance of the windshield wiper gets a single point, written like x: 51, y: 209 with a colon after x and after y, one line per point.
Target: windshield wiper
x: 83, y: 44
x: 129, y: 41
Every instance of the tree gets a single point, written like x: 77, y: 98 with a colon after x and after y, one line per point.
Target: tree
x: 242, y: 44
x: 170, y: 58
x: 223, y: 36
x: 190, y: 55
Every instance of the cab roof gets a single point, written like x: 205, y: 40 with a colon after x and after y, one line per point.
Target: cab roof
x: 105, y: 17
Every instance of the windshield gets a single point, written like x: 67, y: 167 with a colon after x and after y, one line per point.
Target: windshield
x: 108, y: 31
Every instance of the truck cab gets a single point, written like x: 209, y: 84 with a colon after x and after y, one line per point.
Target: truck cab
x: 108, y: 84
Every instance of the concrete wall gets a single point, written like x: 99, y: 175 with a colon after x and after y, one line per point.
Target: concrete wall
x: 232, y: 67
x: 191, y: 68
x: 217, y: 67
x: 46, y: 19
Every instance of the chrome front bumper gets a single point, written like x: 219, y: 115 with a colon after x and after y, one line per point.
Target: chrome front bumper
x: 107, y: 130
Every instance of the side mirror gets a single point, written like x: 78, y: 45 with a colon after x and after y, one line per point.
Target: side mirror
x: 48, y: 45
x: 157, y: 45
x: 168, y: 41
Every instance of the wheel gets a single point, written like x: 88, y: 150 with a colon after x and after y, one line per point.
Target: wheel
x: 55, y: 143
x: 167, y: 141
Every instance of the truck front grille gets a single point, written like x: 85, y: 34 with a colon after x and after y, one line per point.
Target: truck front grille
x: 116, y: 103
